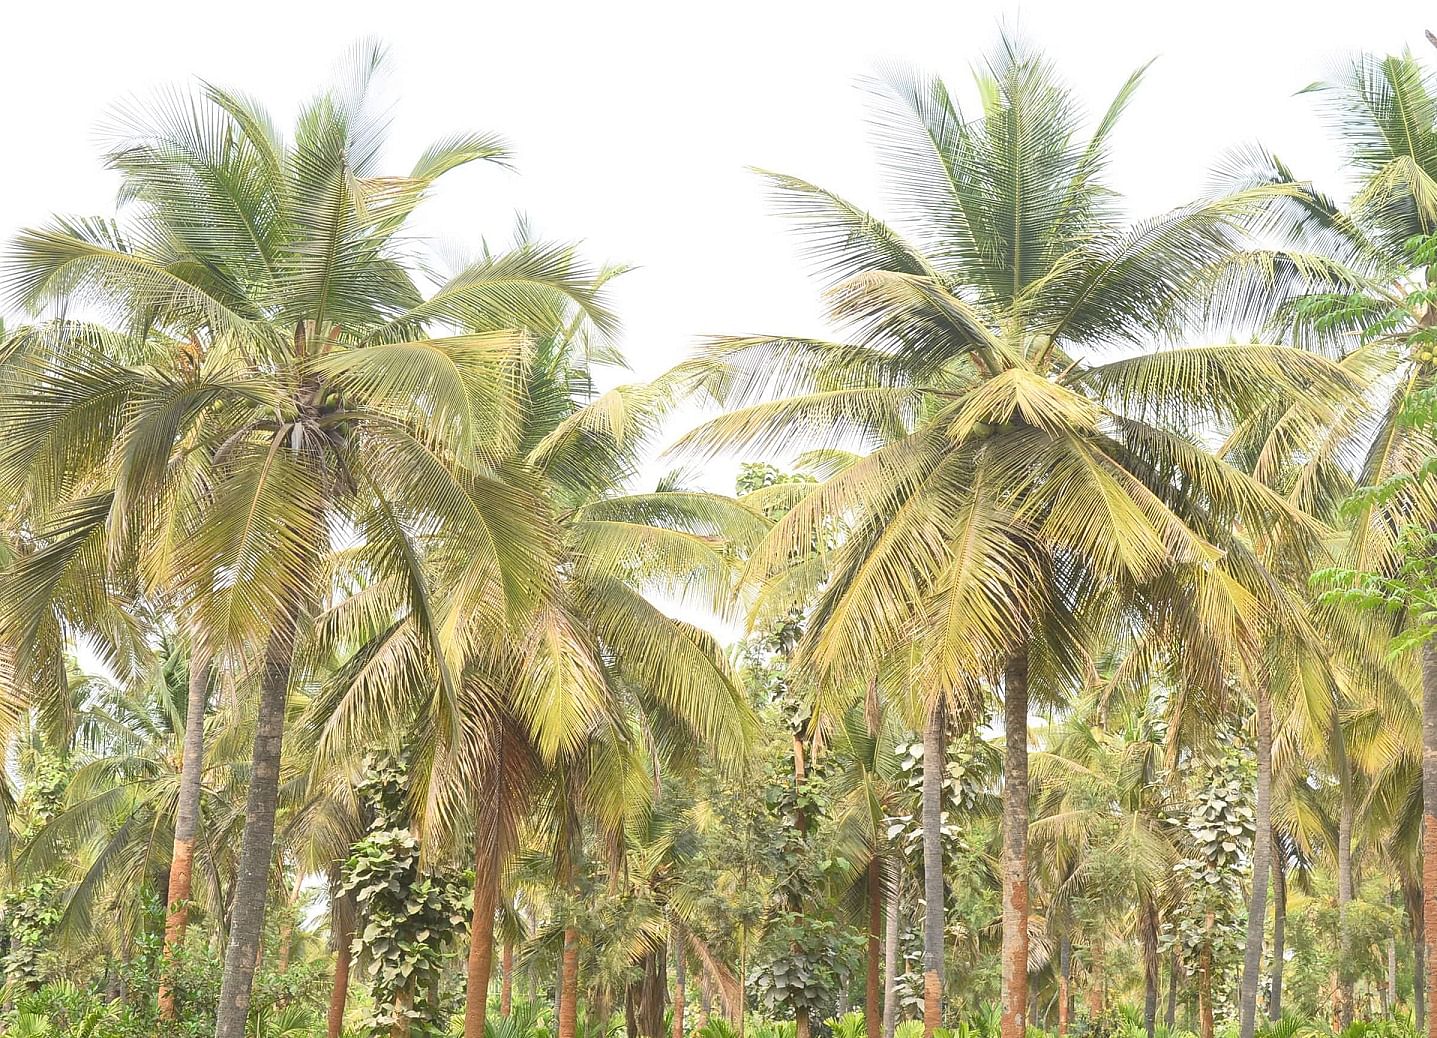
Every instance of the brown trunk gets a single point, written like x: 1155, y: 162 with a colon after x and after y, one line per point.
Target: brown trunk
x: 257, y: 843
x: 933, y: 914
x: 872, y: 1010
x: 890, y: 963
x: 481, y: 930
x: 1095, y: 981
x: 1429, y: 828
x: 1150, y: 965
x: 1412, y: 902
x: 802, y: 1027
x: 1344, y: 899
x: 681, y: 981
x: 1279, y: 929
x: 339, y: 990
x: 1170, y: 1015
x: 1015, y: 848
x: 403, y: 1002
x: 569, y: 985
x: 286, y: 932
x: 187, y: 817
x: 506, y: 982
x: 1065, y: 966
x: 1205, y: 982
x: 1251, y: 978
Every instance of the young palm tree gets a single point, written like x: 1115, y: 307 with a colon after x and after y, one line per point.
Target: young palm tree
x: 281, y: 382
x: 1025, y: 490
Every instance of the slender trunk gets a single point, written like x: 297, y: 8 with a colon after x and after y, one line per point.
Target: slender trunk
x: 1412, y: 901
x: 569, y: 985
x: 1205, y: 981
x: 653, y: 992
x: 801, y: 1024
x: 1015, y: 848
x: 481, y: 929
x: 1170, y: 1015
x: 187, y: 819
x: 890, y: 963
x: 680, y: 986
x: 339, y: 990
x: 932, y: 812
x: 1095, y: 980
x: 1150, y: 965
x: 1429, y: 829
x: 506, y: 982
x: 706, y: 996
x: 1261, y: 863
x: 1065, y: 972
x: 257, y: 845
x: 286, y: 933
x: 1279, y: 935
x: 1344, y: 900
x: 872, y: 1009
x: 1391, y: 990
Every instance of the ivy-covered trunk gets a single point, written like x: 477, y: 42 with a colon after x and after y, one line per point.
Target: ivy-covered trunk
x: 1261, y: 858
x: 257, y: 845
x: 1015, y: 848
x: 932, y: 812
x: 187, y: 819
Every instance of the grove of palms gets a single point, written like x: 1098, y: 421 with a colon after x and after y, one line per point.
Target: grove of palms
x: 380, y: 659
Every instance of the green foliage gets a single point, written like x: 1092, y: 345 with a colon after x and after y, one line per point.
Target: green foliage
x: 411, y: 915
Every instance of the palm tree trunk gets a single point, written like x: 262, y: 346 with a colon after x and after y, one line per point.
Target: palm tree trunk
x: 1261, y: 862
x: 285, y: 938
x: 890, y: 964
x: 339, y: 990
x: 506, y: 982
x: 1015, y: 848
x: 481, y: 929
x: 1390, y: 992
x: 569, y: 985
x: 932, y: 813
x: 872, y: 1010
x: 1150, y: 965
x: 1344, y: 900
x: 257, y: 846
x: 1096, y: 968
x: 1170, y: 1015
x: 1205, y: 981
x: 1429, y: 829
x: 1279, y: 935
x: 680, y: 986
x: 801, y: 1024
x: 187, y: 819
x: 1065, y: 972
x: 1412, y: 901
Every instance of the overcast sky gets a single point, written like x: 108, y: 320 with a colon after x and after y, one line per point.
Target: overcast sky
x: 635, y: 124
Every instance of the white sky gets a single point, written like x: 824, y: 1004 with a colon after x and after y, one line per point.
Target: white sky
x: 634, y: 124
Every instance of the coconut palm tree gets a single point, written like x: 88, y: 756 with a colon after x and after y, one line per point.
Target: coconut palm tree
x: 1025, y: 482
x: 279, y: 378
